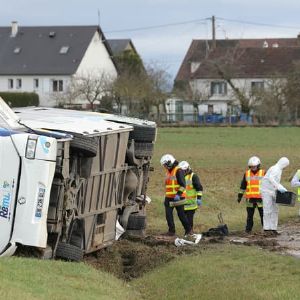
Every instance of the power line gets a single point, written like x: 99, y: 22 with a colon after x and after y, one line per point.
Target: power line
x: 159, y: 26
x: 259, y: 24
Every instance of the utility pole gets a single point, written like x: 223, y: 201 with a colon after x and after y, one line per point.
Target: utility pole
x: 213, y: 24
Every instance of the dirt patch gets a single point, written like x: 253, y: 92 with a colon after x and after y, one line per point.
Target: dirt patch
x: 129, y: 259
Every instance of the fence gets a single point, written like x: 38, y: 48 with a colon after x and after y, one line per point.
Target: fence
x: 193, y: 119
x: 206, y: 119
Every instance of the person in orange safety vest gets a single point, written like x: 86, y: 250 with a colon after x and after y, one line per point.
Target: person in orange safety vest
x: 174, y: 194
x: 250, y: 189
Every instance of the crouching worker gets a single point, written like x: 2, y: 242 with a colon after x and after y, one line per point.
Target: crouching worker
x: 193, y: 192
x: 175, y: 194
x: 250, y: 189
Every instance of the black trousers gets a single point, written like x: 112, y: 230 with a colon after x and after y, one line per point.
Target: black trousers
x: 181, y: 215
x: 250, y: 214
x: 190, y: 216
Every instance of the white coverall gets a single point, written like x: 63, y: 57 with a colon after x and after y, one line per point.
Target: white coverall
x: 296, y: 182
x: 269, y: 185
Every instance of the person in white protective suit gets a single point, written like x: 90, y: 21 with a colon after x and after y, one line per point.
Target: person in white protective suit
x: 269, y: 186
x: 296, y: 183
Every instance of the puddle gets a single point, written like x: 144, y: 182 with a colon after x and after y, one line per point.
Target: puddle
x: 287, y: 242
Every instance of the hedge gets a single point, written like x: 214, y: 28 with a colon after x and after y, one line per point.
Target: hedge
x: 20, y: 99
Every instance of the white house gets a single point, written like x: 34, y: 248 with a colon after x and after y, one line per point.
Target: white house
x: 43, y: 59
x: 210, y: 75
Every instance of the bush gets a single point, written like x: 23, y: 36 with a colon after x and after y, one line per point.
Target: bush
x: 20, y: 99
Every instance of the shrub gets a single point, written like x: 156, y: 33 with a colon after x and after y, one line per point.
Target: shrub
x: 20, y: 99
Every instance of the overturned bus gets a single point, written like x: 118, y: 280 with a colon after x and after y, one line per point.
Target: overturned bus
x: 71, y: 177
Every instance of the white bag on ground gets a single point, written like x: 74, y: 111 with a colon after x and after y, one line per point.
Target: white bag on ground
x: 119, y: 230
x: 182, y: 242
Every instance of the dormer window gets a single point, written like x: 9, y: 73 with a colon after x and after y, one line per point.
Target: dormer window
x: 52, y: 34
x: 195, y: 66
x: 64, y: 50
x: 17, y: 50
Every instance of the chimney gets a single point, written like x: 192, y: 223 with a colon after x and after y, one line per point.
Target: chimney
x: 14, y: 28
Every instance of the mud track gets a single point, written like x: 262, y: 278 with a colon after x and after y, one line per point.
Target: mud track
x: 132, y: 257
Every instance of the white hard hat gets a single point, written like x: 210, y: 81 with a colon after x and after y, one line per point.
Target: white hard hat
x: 184, y: 165
x: 253, y: 161
x: 167, y: 160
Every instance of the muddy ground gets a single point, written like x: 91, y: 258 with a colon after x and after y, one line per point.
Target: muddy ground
x: 132, y: 257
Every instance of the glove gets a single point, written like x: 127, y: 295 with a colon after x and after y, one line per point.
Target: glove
x: 199, y: 202
x: 282, y: 189
x: 177, y: 197
x: 240, y: 196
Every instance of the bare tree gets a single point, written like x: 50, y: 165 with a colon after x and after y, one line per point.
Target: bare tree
x: 292, y: 91
x: 139, y: 92
x: 271, y: 102
x: 192, y: 92
x: 158, y: 86
x: 89, y: 87
x: 92, y: 87
x: 227, y: 66
x: 127, y: 90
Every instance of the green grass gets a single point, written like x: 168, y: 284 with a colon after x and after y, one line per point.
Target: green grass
x: 220, y: 156
x: 37, y: 279
x: 227, y: 272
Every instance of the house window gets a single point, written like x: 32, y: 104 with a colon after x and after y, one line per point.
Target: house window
x: 257, y: 86
x: 57, y: 86
x: 210, y: 109
x: 35, y: 83
x: 218, y: 88
x: 10, y: 84
x: 179, y: 110
x: 19, y: 83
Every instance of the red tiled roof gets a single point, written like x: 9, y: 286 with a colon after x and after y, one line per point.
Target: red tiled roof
x: 245, y: 58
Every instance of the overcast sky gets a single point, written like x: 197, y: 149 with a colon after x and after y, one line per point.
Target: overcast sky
x: 181, y: 20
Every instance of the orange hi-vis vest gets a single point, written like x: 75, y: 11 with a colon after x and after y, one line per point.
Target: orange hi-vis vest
x: 172, y: 186
x: 253, y: 183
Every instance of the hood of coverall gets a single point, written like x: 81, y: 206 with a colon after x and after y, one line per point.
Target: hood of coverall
x: 283, y: 162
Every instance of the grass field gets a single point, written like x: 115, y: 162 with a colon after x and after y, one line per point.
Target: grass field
x: 27, y: 279
x: 225, y: 272
x: 218, y: 271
